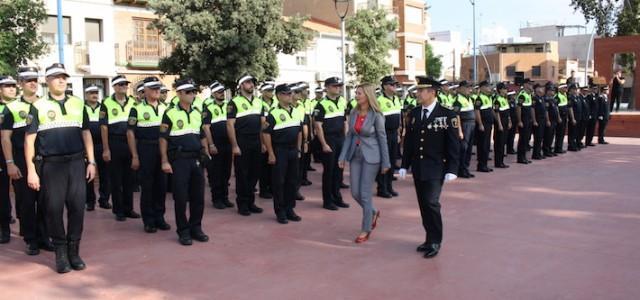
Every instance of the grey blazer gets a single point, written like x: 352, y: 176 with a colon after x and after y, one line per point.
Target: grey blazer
x: 373, y: 140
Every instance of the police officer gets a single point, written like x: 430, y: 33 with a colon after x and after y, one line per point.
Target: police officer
x: 586, y: 114
x: 298, y: 113
x: 8, y: 88
x: 245, y: 116
x: 502, y: 124
x: 163, y: 95
x: 316, y: 148
x: 484, y: 120
x: 32, y: 221
x: 114, y: 114
x: 182, y: 144
x: 575, y: 113
x: 219, y: 169
x: 464, y: 107
x: 594, y: 113
x: 443, y: 93
x: 525, y: 113
x: 92, y: 106
x: 308, y: 105
x: 563, y: 108
x: 330, y: 125
x: 283, y: 139
x: 268, y: 102
x: 391, y: 108
x: 554, y: 118
x: 142, y: 137
x: 603, y: 114
x: 511, y: 134
x: 540, y: 122
x: 61, y: 126
x: 432, y: 148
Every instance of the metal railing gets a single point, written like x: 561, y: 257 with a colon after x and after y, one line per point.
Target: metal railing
x: 147, y: 53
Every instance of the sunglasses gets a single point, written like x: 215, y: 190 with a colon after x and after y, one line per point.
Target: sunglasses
x: 30, y: 80
x: 122, y: 84
x: 190, y: 92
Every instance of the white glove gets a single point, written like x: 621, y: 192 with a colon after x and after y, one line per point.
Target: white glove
x: 403, y: 173
x: 450, y: 177
x: 600, y: 118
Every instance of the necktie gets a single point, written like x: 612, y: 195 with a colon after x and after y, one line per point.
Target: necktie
x: 425, y: 114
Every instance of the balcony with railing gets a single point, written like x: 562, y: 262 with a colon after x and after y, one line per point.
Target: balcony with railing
x: 95, y: 58
x: 146, y: 54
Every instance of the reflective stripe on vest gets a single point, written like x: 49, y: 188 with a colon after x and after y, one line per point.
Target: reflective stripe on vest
x: 562, y: 100
x: 147, y: 116
x: 332, y: 109
x: 50, y: 115
x: 283, y: 119
x: 116, y: 112
x: 388, y: 106
x: 19, y: 110
x: 183, y: 125
x: 486, y: 101
x: 218, y: 112
x: 244, y: 107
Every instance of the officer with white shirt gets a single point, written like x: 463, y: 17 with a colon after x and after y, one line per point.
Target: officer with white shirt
x: 431, y: 150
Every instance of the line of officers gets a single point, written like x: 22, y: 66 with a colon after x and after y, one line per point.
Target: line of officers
x: 546, y: 112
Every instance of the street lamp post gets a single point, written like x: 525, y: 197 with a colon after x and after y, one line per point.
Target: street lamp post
x: 342, y: 14
x: 475, y: 58
x: 60, y: 33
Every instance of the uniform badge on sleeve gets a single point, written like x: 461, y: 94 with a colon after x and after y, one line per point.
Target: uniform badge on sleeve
x: 29, y: 119
x: 132, y: 121
x: 1, y: 118
x: 164, y: 128
x: 454, y: 123
x: 478, y: 103
x: 316, y: 112
x: 102, y: 114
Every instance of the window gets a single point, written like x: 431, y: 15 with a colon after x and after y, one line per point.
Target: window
x: 301, y: 60
x: 413, y: 15
x: 143, y: 36
x: 516, y: 49
x: 503, y: 49
x: 511, y: 71
x: 50, y: 30
x: 536, y: 71
x: 416, y: 50
x: 539, y: 49
x: 93, y: 30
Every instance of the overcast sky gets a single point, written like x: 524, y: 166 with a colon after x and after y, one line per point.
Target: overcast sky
x: 498, y: 19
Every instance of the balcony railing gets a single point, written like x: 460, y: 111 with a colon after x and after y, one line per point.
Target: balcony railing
x: 147, y: 54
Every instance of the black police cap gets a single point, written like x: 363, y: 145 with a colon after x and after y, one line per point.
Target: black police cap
x: 388, y: 80
x: 333, y: 81
x: 283, y: 89
x: 424, y: 82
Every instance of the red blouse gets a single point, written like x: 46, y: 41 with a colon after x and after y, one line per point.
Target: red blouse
x: 358, y: 126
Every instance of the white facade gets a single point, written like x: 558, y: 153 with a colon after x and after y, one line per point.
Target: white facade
x: 87, y: 61
x: 318, y: 62
x: 449, y: 46
x: 573, y: 41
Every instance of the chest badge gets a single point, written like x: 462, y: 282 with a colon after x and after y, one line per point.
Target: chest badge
x: 180, y: 124
x: 389, y: 104
x: 245, y: 106
x: 22, y: 114
x: 51, y: 115
x: 283, y: 117
x: 331, y: 109
x: 146, y: 116
x: 114, y: 111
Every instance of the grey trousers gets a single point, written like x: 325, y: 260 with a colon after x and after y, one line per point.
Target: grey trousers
x: 363, y: 177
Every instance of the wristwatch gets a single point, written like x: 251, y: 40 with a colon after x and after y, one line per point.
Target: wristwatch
x: 92, y: 162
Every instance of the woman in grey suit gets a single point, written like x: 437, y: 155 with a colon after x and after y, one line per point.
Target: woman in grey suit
x: 365, y: 148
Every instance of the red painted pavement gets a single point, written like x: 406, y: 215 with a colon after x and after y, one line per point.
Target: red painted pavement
x: 563, y: 228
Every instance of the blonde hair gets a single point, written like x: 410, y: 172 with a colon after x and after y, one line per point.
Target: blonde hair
x: 369, y: 90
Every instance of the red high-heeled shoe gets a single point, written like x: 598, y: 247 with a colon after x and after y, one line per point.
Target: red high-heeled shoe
x: 375, y: 220
x: 362, y: 239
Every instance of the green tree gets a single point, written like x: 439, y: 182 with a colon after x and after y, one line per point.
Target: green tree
x: 629, y: 18
x: 371, y: 32
x: 433, y: 63
x: 603, y: 12
x: 19, y: 38
x: 222, y: 39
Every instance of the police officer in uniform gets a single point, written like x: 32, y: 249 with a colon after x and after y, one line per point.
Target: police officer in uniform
x: 484, y: 120
x: 114, y: 114
x: 8, y: 87
x: 586, y: 114
x: 142, y: 137
x: 464, y: 107
x: 182, y: 144
x: 92, y: 106
x: 525, y: 113
x: 540, y: 122
x: 298, y: 112
x: 316, y: 148
x: 219, y: 169
x: 511, y: 135
x: 391, y: 109
x: 594, y: 113
x: 308, y: 105
x: 61, y: 126
x: 283, y: 139
x: 245, y: 116
x: 575, y: 113
x: 554, y: 117
x: 32, y: 213
x: 432, y: 148
x: 268, y: 102
x: 330, y: 123
x: 603, y: 114
x: 563, y: 109
x: 502, y: 124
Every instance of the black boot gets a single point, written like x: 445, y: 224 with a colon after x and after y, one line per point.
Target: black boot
x: 62, y: 259
x: 5, y: 234
x: 74, y: 256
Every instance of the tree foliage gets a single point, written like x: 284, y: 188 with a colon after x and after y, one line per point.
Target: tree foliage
x: 433, y: 63
x: 19, y: 38
x: 222, y: 39
x: 372, y: 34
x: 612, y: 17
x: 628, y: 20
